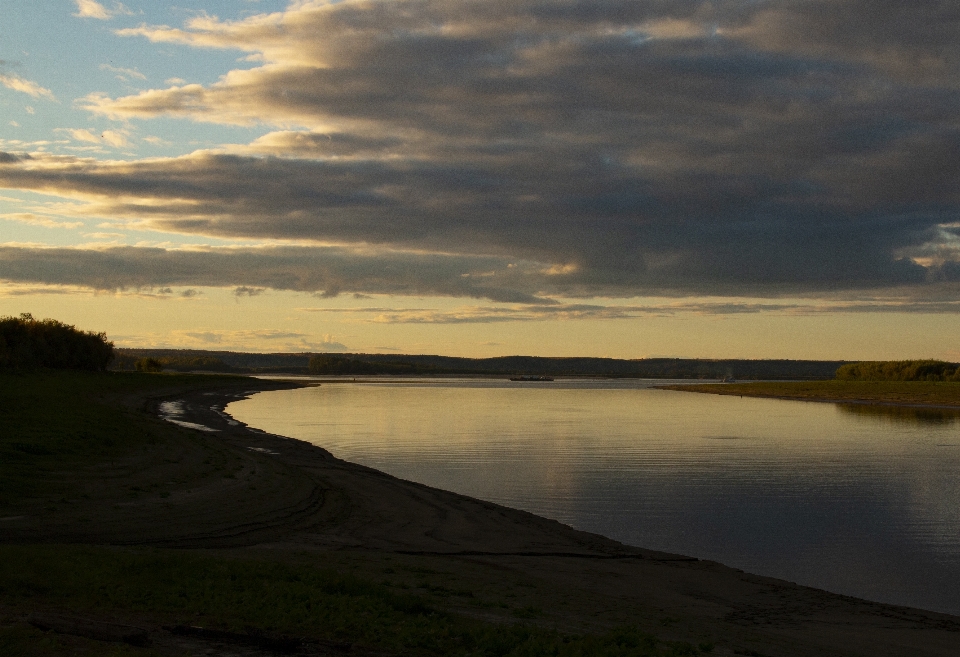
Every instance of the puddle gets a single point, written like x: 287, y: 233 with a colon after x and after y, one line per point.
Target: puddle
x: 172, y: 410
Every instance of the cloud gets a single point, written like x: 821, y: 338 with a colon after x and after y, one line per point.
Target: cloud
x: 105, y: 236
x: 247, y: 340
x: 250, y: 270
x: 569, y: 312
x: 39, y: 220
x: 623, y: 148
x: 16, y: 83
x: 448, y: 209
x: 82, y: 134
x: 115, y: 138
x: 539, y: 312
x: 123, y: 74
x: 15, y: 290
x: 93, y: 9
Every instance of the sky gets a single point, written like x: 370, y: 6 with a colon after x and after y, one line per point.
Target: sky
x: 726, y: 179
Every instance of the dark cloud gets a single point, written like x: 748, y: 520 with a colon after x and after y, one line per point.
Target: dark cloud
x: 320, y: 270
x: 638, y: 147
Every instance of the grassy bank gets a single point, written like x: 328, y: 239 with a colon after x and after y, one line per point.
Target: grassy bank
x: 923, y: 393
x: 78, y: 449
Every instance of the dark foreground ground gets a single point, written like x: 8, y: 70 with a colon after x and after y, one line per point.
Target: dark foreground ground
x: 124, y: 534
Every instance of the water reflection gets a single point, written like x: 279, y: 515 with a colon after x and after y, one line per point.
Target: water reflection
x: 865, y: 504
x: 905, y: 414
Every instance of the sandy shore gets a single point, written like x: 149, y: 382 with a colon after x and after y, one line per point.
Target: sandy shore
x: 285, y: 496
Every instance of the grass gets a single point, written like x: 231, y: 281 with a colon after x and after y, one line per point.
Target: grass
x: 237, y: 594
x: 926, y: 393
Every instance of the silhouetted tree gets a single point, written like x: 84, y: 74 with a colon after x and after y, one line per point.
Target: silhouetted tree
x: 26, y: 342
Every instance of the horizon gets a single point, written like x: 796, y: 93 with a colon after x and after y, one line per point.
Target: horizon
x: 778, y: 180
x: 435, y: 355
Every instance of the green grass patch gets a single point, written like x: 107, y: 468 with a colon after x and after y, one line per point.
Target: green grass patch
x: 171, y: 586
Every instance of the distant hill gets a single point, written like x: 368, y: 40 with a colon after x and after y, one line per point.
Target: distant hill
x: 237, y: 360
x: 654, y: 368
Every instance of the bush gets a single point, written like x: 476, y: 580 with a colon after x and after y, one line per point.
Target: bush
x: 899, y: 370
x: 148, y: 365
x: 26, y: 342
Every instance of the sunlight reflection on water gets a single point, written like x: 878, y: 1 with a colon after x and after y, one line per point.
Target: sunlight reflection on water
x: 858, y: 500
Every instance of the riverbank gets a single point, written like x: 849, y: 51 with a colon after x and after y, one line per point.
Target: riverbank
x: 924, y: 394
x: 417, y: 570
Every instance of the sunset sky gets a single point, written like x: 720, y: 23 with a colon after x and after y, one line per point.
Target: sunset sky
x: 741, y: 178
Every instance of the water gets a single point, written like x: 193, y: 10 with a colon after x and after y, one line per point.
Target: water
x: 851, y: 499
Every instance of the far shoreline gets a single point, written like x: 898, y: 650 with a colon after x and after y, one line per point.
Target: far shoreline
x: 932, y: 395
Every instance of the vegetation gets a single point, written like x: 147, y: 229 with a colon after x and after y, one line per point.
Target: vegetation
x: 27, y: 343
x: 148, y: 365
x: 281, y: 599
x: 899, y: 370
x: 126, y: 361
x: 349, y: 364
x: 327, y: 364
x: 927, y: 393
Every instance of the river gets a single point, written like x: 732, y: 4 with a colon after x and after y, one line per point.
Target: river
x: 857, y: 500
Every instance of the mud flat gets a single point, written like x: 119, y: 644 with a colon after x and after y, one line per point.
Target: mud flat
x: 216, y: 486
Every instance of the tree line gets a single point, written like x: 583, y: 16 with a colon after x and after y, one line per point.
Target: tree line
x: 327, y: 364
x: 899, y: 370
x: 129, y: 361
x: 26, y: 343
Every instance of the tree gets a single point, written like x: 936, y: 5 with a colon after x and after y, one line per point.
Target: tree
x: 149, y: 365
x: 26, y: 342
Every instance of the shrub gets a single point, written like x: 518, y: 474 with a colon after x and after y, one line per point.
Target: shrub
x: 148, y: 365
x: 899, y: 370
